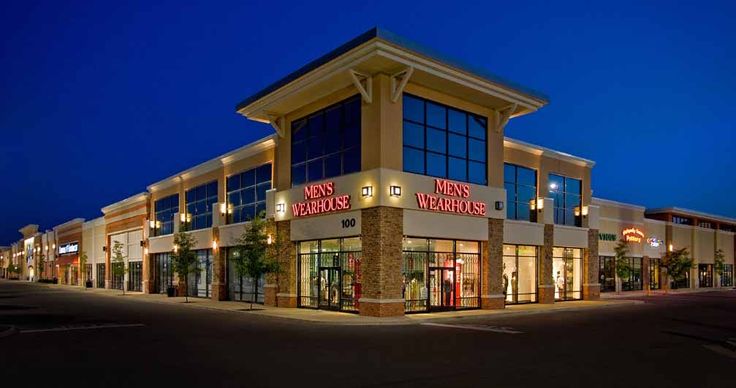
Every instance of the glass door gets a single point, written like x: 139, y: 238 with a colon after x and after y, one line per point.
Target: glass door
x: 329, y: 290
x: 441, y: 288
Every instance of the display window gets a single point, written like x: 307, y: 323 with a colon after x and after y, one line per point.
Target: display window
x: 520, y: 266
x: 634, y: 280
x: 607, y: 274
x: 200, y: 281
x: 101, y: 275
x: 164, y: 272
x: 654, y: 274
x: 329, y: 275
x: 567, y: 273
x: 727, y: 276
x: 440, y: 274
x: 681, y: 283
x: 242, y: 287
x: 135, y: 276
x: 705, y: 275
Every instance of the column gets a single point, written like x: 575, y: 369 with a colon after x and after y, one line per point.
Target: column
x: 645, y: 274
x: 546, y: 281
x: 591, y: 264
x: 219, y: 275
x: 382, y: 231
x: 108, y: 272
x: 283, y: 284
x: 492, y: 268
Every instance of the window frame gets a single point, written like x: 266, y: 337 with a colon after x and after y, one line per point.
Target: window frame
x: 577, y: 220
x: 232, y: 211
x: 191, y: 224
x: 162, y: 224
x: 515, y: 203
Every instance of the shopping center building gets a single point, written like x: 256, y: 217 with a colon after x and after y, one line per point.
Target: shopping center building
x: 392, y: 189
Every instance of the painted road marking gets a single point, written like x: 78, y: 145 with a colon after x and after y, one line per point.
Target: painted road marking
x: 87, y: 327
x: 495, y: 329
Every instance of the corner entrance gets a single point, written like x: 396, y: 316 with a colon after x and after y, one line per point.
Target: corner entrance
x: 441, y: 288
x: 329, y: 290
x: 329, y: 275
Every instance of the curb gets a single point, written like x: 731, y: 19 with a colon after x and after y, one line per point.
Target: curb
x: 10, y: 330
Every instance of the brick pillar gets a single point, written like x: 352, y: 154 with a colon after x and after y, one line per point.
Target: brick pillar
x: 546, y: 280
x: 382, y: 231
x: 219, y: 273
x: 108, y: 272
x: 280, y: 290
x: 591, y: 264
x: 492, y: 268
x: 645, y: 273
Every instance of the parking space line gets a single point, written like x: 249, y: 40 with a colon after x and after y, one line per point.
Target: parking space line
x: 89, y: 327
x: 495, y: 329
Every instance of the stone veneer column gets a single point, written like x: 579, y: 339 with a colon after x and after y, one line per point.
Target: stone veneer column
x: 645, y: 273
x: 591, y: 283
x: 546, y: 280
x: 382, y: 235
x: 280, y: 290
x: 219, y: 276
x: 492, y: 268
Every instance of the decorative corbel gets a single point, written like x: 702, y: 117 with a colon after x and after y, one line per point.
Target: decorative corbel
x: 365, y: 90
x: 399, y: 81
x: 278, y: 123
x: 503, y: 116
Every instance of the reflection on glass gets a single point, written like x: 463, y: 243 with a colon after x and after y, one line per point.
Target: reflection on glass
x: 567, y: 271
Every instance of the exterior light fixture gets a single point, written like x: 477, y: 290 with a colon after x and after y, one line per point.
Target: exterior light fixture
x: 269, y: 239
x: 214, y: 245
x: 280, y: 207
x: 586, y: 209
x: 670, y: 248
x: 175, y: 248
x: 394, y: 191
x: 553, y: 186
x: 152, y: 224
x: 499, y: 205
x: 366, y: 191
x: 577, y: 211
x: 223, y: 208
x: 182, y: 217
x: 145, y: 251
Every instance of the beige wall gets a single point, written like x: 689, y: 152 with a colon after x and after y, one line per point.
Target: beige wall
x: 725, y: 242
x: 704, y: 245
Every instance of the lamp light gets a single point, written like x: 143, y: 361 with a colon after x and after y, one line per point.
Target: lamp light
x: 366, y: 191
x: 182, y: 217
x: 214, y: 245
x: 175, y: 248
x: 152, y: 224
x: 533, y: 204
x: 499, y: 205
x: 577, y: 211
x: 223, y: 208
x: 269, y: 239
x: 145, y: 250
x: 586, y: 209
x: 394, y: 191
x: 280, y: 207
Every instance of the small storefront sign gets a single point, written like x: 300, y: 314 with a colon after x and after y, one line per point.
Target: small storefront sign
x: 68, y: 248
x: 633, y: 235
x: 607, y: 236
x: 320, y: 199
x: 654, y: 242
x: 452, y: 198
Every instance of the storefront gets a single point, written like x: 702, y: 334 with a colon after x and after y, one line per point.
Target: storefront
x: 241, y: 287
x: 705, y: 275
x: 607, y: 278
x: 567, y: 269
x: 100, y: 273
x: 654, y: 274
x: 727, y: 276
x: 200, y: 281
x: 329, y: 274
x: 163, y: 272
x: 127, y: 273
x: 520, y: 268
x: 632, y: 280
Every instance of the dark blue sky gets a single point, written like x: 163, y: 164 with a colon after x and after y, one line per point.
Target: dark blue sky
x: 100, y: 99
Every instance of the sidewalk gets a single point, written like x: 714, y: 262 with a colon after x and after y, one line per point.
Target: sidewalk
x: 639, y: 294
x: 342, y: 318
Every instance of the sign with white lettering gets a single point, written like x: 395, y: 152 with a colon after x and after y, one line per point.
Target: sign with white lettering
x: 69, y: 248
x: 453, y: 199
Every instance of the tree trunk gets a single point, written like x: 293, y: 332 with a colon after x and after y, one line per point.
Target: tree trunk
x: 255, y: 291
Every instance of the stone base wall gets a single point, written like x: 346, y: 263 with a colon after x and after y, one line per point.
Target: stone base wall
x: 269, y: 294
x: 286, y: 301
x: 492, y: 271
x: 591, y: 292
x: 546, y: 285
x: 382, y: 235
x: 372, y: 309
x: 547, y: 294
x: 492, y: 303
x: 591, y: 267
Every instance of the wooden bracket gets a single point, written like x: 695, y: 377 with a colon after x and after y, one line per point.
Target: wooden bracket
x: 278, y: 123
x: 399, y: 81
x: 503, y: 116
x: 365, y: 90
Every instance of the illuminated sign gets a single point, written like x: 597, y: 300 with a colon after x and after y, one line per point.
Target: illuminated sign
x: 633, y: 235
x: 68, y: 248
x: 654, y: 242
x: 319, y: 199
x: 607, y: 236
x: 458, y: 205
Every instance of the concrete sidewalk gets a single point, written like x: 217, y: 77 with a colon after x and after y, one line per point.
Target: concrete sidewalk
x: 342, y: 318
x: 644, y: 294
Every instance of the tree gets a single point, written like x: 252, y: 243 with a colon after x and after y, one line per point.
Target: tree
x: 41, y: 265
x: 677, y: 263
x: 623, y: 266
x: 118, y: 267
x: 255, y: 256
x: 720, y: 263
x: 184, y: 259
x: 83, y: 266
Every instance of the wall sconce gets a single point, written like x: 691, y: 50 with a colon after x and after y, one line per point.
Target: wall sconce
x: 366, y: 191
x: 669, y: 248
x: 214, y: 245
x: 585, y: 211
x: 394, y: 191
x: 175, y: 248
x: 223, y: 208
x: 499, y: 205
x: 269, y: 239
x: 152, y: 224
x: 104, y: 248
x: 53, y: 246
x: 145, y: 251
x: 183, y: 217
x: 280, y: 207
x: 577, y: 211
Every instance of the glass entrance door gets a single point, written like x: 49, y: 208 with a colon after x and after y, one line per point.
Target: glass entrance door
x: 441, y: 288
x: 329, y: 290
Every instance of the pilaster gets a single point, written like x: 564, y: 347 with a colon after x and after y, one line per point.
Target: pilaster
x: 492, y: 269
x: 546, y: 280
x: 591, y: 264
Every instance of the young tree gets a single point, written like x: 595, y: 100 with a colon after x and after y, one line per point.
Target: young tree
x: 83, y: 267
x: 677, y: 263
x: 184, y: 259
x: 41, y: 264
x: 117, y: 258
x: 720, y: 263
x: 623, y: 267
x: 255, y: 255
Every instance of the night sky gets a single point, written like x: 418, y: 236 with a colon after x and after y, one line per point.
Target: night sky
x: 100, y: 99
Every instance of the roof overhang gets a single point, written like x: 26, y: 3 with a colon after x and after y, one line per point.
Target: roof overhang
x: 548, y: 152
x: 129, y: 202
x: 678, y: 211
x: 380, y: 52
x: 28, y: 230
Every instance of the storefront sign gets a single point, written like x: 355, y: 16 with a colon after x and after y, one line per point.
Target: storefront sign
x: 607, y: 236
x: 458, y: 205
x: 633, y: 235
x: 68, y: 248
x: 654, y: 242
x: 320, y: 199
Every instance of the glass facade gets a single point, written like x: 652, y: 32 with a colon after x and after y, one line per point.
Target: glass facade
x: 727, y: 276
x: 135, y: 276
x: 200, y: 282
x: 705, y: 275
x: 444, y: 142
x: 521, y: 189
x: 326, y: 143
x: 329, y: 275
x: 246, y: 193
x: 567, y: 195
x: 682, y: 283
x: 607, y: 274
x: 440, y: 274
x: 163, y: 272
x: 520, y: 266
x: 165, y: 209
x: 119, y: 279
x: 634, y: 281
x: 654, y: 274
x: 101, y: 275
x: 567, y: 273
x: 199, y: 204
x: 241, y: 287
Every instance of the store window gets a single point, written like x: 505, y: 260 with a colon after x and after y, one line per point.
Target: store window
x: 88, y: 272
x: 440, y: 274
x: 607, y: 273
x: 705, y: 275
x: 567, y: 273
x: 634, y: 280
x: 521, y: 189
x: 117, y: 276
x: 164, y: 272
x: 200, y: 281
x: 329, y: 274
x: 681, y: 283
x: 165, y: 209
x: 135, y: 276
x: 520, y: 265
x: 682, y: 220
x: 654, y: 274
x: 727, y: 276
x: 326, y: 143
x: 444, y: 142
x: 241, y: 287
x: 199, y: 204
x: 567, y: 195
x: 101, y: 275
x: 246, y: 193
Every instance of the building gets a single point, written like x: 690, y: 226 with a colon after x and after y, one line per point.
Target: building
x: 391, y: 188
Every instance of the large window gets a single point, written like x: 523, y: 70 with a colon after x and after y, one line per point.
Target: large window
x: 634, y: 280
x: 326, y: 143
x: 444, y: 142
x: 101, y: 275
x: 705, y: 275
x: 165, y: 209
x: 164, y: 272
x: 246, y: 193
x: 567, y: 273
x: 607, y: 274
x: 440, y: 274
x: 135, y: 276
x: 200, y: 282
x: 200, y: 202
x: 520, y: 273
x: 521, y: 188
x: 329, y: 274
x: 727, y: 276
x: 654, y: 274
x: 567, y: 195
x: 241, y: 287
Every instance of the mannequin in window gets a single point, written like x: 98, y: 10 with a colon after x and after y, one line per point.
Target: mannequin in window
x: 560, y: 282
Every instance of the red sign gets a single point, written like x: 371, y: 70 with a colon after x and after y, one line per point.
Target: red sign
x: 458, y: 205
x: 633, y: 235
x: 319, y: 200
